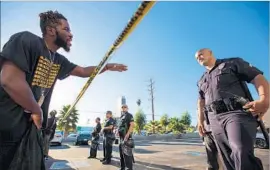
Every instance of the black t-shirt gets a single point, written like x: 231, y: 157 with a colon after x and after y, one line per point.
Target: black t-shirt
x: 29, y: 52
x: 108, y: 123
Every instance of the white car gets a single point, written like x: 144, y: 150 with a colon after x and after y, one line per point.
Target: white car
x: 71, y: 137
x: 260, y: 141
x: 58, y: 138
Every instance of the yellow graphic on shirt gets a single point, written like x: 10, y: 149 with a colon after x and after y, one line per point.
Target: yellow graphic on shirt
x: 44, y: 77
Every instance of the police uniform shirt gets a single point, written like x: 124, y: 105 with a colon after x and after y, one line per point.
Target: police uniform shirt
x: 29, y: 53
x: 207, y: 127
x: 224, y: 80
x: 108, y: 123
x: 98, y: 128
x: 125, y: 120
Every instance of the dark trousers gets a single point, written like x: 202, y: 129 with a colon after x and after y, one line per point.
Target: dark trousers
x: 104, y: 148
x: 9, y: 141
x: 107, y: 149
x: 211, y: 152
x: 234, y: 134
x: 94, y: 147
x: 125, y: 160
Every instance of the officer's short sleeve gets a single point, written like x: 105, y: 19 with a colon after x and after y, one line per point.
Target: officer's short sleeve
x: 19, y: 50
x: 130, y: 118
x: 246, y: 71
x: 66, y: 68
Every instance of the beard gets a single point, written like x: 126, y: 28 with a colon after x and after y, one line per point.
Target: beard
x: 61, y: 43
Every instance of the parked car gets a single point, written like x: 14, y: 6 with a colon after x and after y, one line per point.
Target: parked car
x: 58, y: 138
x: 71, y: 137
x: 83, y: 138
x: 260, y: 141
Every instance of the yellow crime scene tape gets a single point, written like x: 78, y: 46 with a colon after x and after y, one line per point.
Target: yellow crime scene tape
x: 143, y: 9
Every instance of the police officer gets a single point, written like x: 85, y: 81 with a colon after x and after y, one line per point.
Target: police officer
x: 48, y: 133
x: 211, y: 149
x: 108, y: 138
x: 233, y: 128
x: 126, y: 145
x: 95, y: 143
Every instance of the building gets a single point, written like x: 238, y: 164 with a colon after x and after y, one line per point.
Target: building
x: 122, y: 100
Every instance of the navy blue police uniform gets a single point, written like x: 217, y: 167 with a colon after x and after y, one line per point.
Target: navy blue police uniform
x: 211, y: 149
x: 95, y: 141
x: 125, y: 150
x: 108, y: 141
x: 233, y: 128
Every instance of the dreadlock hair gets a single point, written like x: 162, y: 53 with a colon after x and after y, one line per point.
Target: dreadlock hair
x: 49, y: 18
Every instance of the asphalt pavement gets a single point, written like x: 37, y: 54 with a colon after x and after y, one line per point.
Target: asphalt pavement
x: 180, y: 154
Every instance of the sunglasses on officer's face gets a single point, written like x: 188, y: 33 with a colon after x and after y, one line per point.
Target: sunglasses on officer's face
x: 124, y: 107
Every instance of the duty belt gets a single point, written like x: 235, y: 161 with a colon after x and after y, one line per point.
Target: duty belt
x: 224, y: 105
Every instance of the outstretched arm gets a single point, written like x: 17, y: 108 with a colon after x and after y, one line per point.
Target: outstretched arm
x: 87, y: 71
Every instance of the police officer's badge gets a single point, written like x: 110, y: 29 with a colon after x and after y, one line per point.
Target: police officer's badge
x: 221, y: 66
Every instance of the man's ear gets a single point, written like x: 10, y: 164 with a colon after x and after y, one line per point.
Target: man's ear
x: 50, y: 30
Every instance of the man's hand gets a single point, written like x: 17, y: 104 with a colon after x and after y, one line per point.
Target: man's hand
x: 126, y: 137
x: 257, y: 107
x: 114, y: 67
x: 201, y: 129
x: 37, y: 118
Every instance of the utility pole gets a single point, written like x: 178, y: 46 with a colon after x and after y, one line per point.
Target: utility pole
x: 151, y: 91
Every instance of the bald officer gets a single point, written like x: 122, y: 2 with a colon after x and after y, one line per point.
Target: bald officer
x: 233, y: 128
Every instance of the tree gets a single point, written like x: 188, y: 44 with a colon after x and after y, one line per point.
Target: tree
x: 70, y: 122
x: 164, y: 121
x: 153, y: 126
x: 186, y: 119
x: 191, y: 129
x: 175, y: 125
x: 140, y: 120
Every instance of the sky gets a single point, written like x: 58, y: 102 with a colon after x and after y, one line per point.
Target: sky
x: 162, y: 47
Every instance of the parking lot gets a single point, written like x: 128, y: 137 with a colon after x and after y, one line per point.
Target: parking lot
x: 177, y: 154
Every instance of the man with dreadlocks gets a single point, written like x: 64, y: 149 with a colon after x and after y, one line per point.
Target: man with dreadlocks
x: 30, y: 66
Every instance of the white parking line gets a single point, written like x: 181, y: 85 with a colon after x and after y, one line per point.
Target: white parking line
x: 70, y: 164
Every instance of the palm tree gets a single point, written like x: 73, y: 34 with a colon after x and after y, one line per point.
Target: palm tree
x: 153, y: 126
x: 175, y: 125
x: 70, y: 122
x: 164, y: 121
